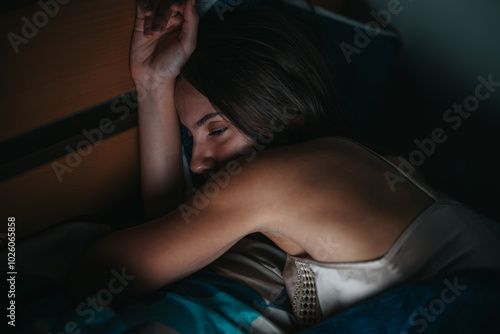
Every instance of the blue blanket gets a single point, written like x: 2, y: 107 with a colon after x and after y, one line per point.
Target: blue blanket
x: 207, y: 302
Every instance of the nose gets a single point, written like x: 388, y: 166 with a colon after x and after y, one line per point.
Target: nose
x: 202, y: 160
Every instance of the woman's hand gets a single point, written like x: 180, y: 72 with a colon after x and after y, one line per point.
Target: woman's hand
x: 162, y: 42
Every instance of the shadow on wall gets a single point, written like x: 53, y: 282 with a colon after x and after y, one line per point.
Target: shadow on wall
x: 448, y: 79
x: 447, y: 44
x: 13, y: 4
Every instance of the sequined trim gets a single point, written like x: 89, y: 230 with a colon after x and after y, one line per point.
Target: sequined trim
x: 305, y: 300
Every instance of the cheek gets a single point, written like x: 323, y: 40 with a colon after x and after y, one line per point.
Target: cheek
x: 237, y: 146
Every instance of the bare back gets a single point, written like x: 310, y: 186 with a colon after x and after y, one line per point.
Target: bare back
x: 338, y: 205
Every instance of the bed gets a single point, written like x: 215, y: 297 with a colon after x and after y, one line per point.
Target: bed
x: 243, y: 291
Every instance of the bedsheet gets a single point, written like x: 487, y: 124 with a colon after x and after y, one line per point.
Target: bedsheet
x: 241, y: 292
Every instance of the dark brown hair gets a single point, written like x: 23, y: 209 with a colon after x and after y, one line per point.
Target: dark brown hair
x: 261, y: 70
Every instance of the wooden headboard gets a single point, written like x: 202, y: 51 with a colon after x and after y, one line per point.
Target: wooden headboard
x: 68, y: 123
x: 63, y: 59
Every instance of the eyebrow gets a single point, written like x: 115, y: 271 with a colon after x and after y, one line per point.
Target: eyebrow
x: 204, y: 119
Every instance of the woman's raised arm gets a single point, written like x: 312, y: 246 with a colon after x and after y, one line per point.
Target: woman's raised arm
x: 162, y: 42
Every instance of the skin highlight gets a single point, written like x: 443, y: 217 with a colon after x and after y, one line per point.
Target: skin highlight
x: 216, y: 141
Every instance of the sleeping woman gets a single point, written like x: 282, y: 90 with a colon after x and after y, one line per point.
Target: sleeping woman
x: 253, y: 81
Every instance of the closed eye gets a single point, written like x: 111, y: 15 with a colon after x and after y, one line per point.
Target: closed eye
x: 217, y: 132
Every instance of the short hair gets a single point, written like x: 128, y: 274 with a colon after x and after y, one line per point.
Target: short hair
x: 263, y: 70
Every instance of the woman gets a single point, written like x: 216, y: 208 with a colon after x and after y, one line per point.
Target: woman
x: 306, y: 191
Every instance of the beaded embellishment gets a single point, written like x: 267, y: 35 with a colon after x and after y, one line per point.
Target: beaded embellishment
x: 305, y: 300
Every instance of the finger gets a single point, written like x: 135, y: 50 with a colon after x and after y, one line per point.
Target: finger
x: 148, y: 26
x: 178, y: 6
x: 170, y: 19
x: 190, y: 25
x: 175, y: 21
x: 190, y: 17
x: 144, y: 17
x: 143, y: 9
x: 162, y: 17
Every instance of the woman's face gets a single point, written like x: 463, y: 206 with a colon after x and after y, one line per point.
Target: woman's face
x: 216, y: 141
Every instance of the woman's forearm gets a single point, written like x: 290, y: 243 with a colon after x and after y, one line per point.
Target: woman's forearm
x: 160, y: 151
x: 156, y: 59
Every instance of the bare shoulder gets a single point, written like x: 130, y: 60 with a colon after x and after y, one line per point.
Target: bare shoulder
x: 312, y: 164
x: 340, y: 170
x: 306, y: 160
x: 328, y: 186
x: 292, y: 157
x: 273, y: 169
x: 281, y: 177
